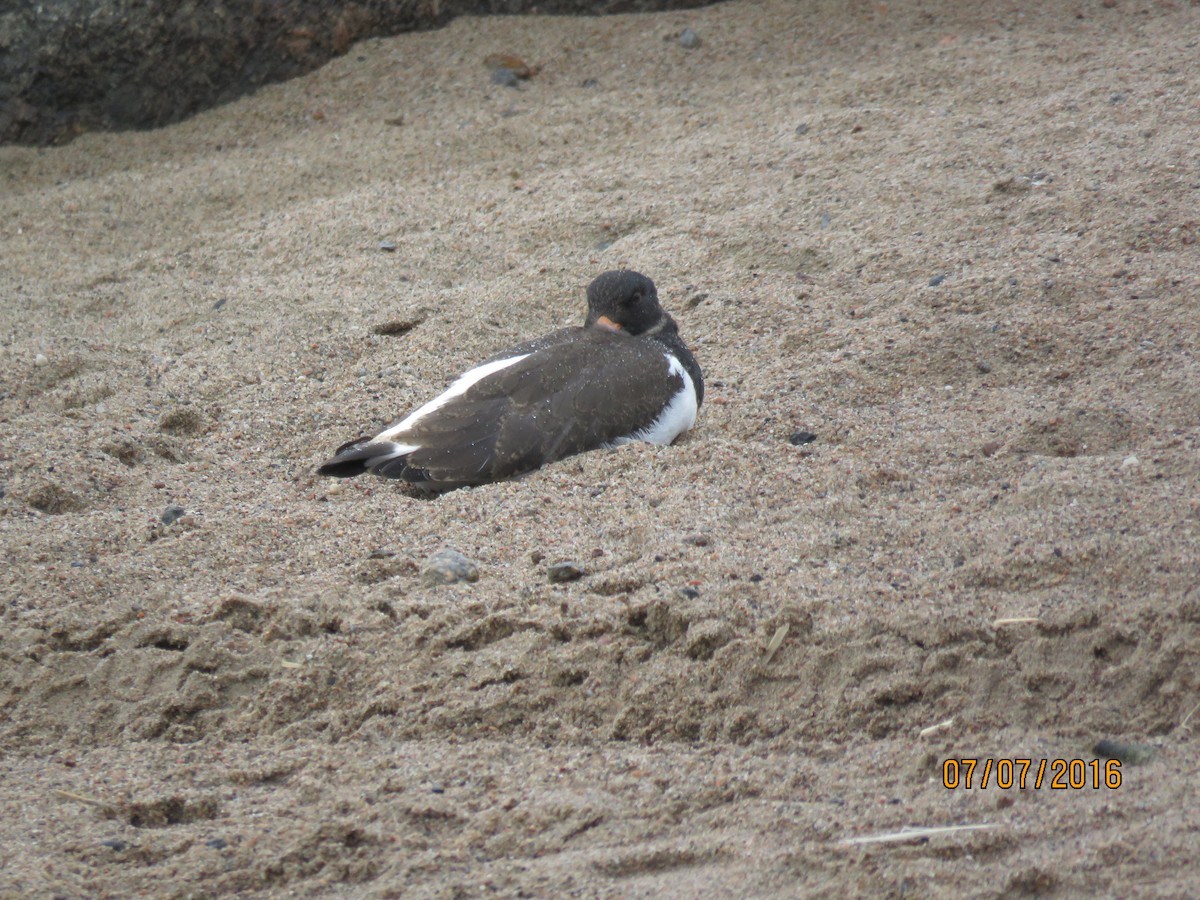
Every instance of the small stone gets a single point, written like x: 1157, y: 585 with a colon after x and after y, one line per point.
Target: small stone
x: 688, y: 39
x: 589, y: 83
x: 536, y: 556
x: 936, y: 280
x: 387, y: 246
x: 1129, y: 462
x: 801, y: 437
x: 217, y: 843
x: 40, y: 360
x: 698, y: 540
x: 1126, y: 752
x: 565, y: 571
x: 449, y: 567
x: 802, y: 128
x: 173, y: 514
x: 115, y: 844
x: 505, y: 78
x: 983, y: 368
x: 990, y: 449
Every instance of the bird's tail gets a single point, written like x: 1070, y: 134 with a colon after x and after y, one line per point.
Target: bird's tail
x: 362, y: 455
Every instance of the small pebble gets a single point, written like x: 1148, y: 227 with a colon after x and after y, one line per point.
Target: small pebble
x: 565, y: 571
x: 802, y: 128
x: 40, y: 360
x: 220, y: 303
x: 387, y: 246
x: 436, y: 789
x: 449, y: 567
x: 1126, y: 752
x: 801, y: 437
x: 217, y: 843
x: 114, y: 844
x: 688, y: 39
x: 172, y: 514
x: 936, y: 280
x: 983, y: 368
x: 589, y: 83
x: 1129, y: 462
x: 505, y: 78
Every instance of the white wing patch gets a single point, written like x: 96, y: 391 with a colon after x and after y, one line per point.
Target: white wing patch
x: 678, y: 416
x: 460, y: 387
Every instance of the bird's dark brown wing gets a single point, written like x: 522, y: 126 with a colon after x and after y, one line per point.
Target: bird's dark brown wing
x: 586, y: 389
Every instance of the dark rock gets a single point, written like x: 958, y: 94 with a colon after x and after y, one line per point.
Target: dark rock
x: 801, y: 437
x: 115, y: 844
x: 936, y: 280
x: 71, y: 66
x: 1129, y: 753
x: 217, y: 843
x: 173, y: 514
x: 565, y: 571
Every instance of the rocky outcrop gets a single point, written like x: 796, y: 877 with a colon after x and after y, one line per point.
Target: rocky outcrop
x: 69, y: 66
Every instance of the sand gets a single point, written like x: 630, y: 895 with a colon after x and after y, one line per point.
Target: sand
x: 956, y: 242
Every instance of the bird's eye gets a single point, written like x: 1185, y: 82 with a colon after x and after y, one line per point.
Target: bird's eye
x: 635, y: 297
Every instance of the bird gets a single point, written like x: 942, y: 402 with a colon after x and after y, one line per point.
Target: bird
x: 625, y: 375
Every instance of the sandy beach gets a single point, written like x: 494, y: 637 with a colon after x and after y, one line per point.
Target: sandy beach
x: 939, y: 264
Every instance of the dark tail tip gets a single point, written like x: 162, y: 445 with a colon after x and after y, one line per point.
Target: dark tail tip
x: 353, y: 458
x: 342, y: 468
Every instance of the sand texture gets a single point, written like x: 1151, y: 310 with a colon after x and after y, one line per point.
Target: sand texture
x: 955, y: 242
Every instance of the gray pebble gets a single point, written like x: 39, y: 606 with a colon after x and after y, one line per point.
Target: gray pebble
x: 562, y: 572
x: 1127, y: 752
x: 217, y: 843
x: 505, y: 77
x: 387, y: 246
x: 688, y: 39
x: 114, y: 844
x: 802, y: 128
x: 801, y: 437
x: 936, y: 280
x: 449, y: 567
x: 589, y: 83
x: 172, y: 514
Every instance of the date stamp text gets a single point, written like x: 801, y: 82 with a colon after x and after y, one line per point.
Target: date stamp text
x: 972, y: 773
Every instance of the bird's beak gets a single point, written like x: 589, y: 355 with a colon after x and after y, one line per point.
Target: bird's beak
x: 608, y: 324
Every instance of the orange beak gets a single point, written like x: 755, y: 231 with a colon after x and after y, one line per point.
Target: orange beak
x: 608, y: 324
